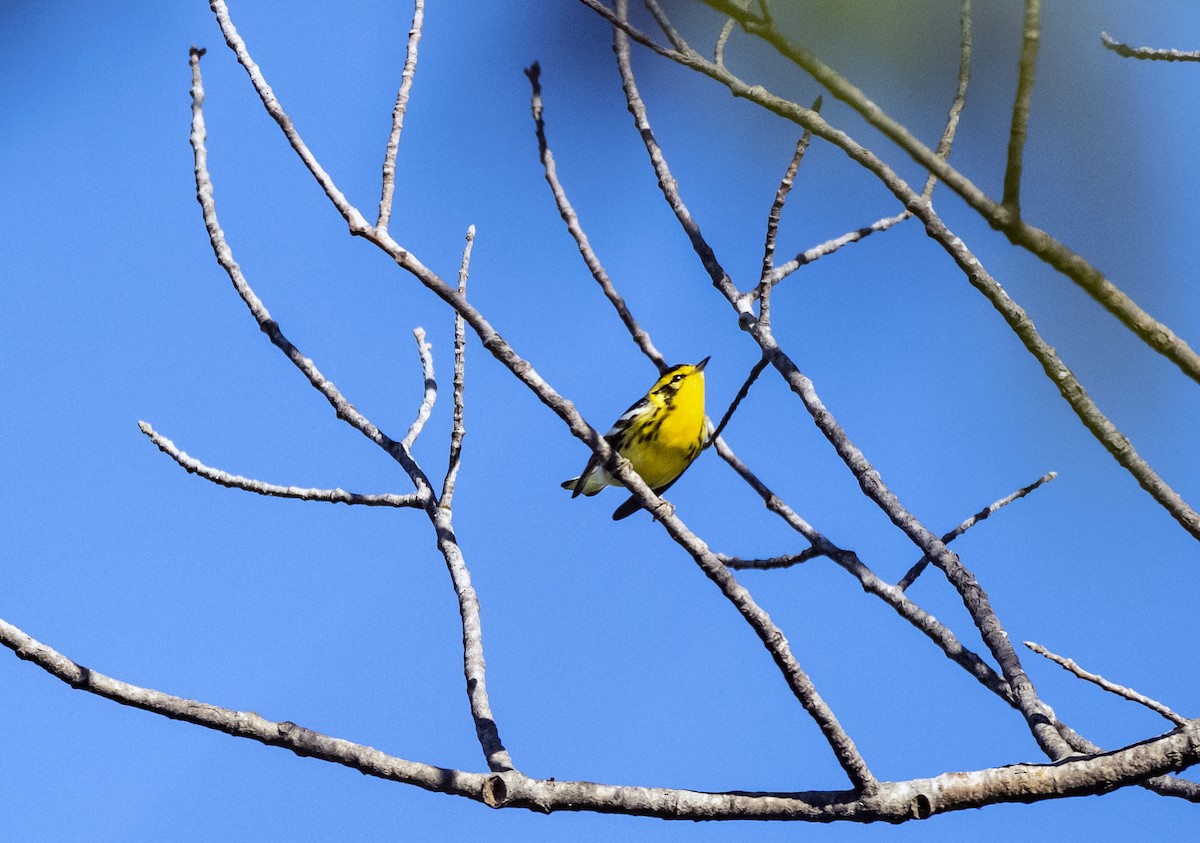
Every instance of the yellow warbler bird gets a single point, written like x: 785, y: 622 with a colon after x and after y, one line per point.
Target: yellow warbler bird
x: 660, y: 435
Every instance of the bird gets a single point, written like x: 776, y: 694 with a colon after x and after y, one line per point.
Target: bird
x: 660, y: 435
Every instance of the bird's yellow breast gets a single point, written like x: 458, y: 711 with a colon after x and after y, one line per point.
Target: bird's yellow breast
x: 673, y: 438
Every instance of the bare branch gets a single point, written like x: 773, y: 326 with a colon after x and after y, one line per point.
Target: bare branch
x: 921, y: 620
x: 1150, y: 53
x: 981, y: 515
x: 830, y: 246
x: 773, y: 563
x: 890, y: 802
x: 1162, y: 785
x: 755, y: 371
x: 640, y: 336
x: 664, y: 24
x: 960, y: 94
x: 460, y: 352
x: 235, y: 481
x: 204, y: 194
x: 1030, y: 36
x: 358, y: 225
x: 393, y: 144
x: 1111, y: 687
x: 785, y: 187
x: 429, y: 396
x: 722, y: 38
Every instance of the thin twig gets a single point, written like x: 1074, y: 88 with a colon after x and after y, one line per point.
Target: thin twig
x: 772, y: 563
x: 640, y: 336
x: 1030, y: 37
x: 497, y: 756
x: 960, y: 93
x: 460, y: 355
x: 785, y: 187
x: 983, y: 514
x: 755, y: 371
x: 973, y: 596
x: 429, y: 395
x: 236, y: 481
x: 665, y: 25
x: 830, y: 246
x: 393, y: 144
x: 1149, y: 53
x: 1111, y: 687
x: 722, y: 38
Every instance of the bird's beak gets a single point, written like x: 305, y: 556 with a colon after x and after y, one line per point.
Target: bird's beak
x: 700, y: 366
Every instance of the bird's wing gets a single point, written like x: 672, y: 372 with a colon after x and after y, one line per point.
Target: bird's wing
x: 614, y: 439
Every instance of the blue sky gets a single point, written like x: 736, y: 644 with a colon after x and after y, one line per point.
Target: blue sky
x: 610, y: 657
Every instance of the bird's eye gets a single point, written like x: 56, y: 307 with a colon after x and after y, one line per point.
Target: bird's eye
x: 677, y: 379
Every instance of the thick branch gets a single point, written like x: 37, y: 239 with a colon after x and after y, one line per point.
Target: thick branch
x: 890, y: 802
x: 457, y: 432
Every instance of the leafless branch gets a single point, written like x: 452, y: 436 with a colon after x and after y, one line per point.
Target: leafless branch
x: 640, y: 336
x: 235, y: 481
x: 960, y: 94
x: 430, y: 394
x: 1111, y: 687
x: 1150, y: 53
x: 890, y: 802
x: 393, y: 144
x: 981, y: 515
x: 722, y: 38
x: 460, y: 352
x: 755, y: 371
x: 356, y: 221
x: 510, y: 783
x: 1030, y: 37
x: 773, y: 563
x: 785, y: 187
